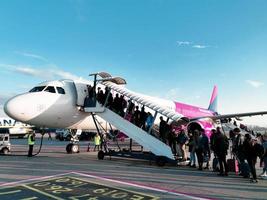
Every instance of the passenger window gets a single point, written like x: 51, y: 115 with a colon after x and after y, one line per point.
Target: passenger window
x: 37, y: 89
x: 60, y: 90
x: 6, y: 138
x: 50, y: 89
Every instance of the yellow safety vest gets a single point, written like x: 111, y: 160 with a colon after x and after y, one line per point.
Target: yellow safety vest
x: 97, y: 140
x: 30, y: 141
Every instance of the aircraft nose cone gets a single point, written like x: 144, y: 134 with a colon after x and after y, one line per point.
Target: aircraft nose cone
x: 14, y: 108
x: 10, y: 108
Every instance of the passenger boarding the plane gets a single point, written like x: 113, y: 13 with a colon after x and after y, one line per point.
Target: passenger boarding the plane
x: 182, y: 139
x: 137, y: 116
x: 90, y: 100
x: 130, y: 107
x: 171, y: 137
x: 116, y: 103
x: 206, y: 148
x: 100, y: 96
x: 192, y: 150
x: 143, y: 117
x: 162, y: 129
x: 198, y: 148
x: 123, y: 105
x: 221, y: 145
x: 149, y: 121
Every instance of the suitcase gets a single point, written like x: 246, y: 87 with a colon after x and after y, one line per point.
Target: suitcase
x: 231, y: 165
x: 244, y: 169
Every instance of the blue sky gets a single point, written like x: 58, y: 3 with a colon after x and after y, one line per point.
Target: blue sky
x: 168, y: 48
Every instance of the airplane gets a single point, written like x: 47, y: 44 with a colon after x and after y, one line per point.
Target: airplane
x: 57, y: 104
x: 13, y: 127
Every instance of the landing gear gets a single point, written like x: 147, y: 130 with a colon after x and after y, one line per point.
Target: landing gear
x: 72, y: 148
x: 5, y: 151
x: 101, y: 155
x: 75, y: 148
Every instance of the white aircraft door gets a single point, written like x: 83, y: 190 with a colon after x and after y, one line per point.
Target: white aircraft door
x: 82, y: 92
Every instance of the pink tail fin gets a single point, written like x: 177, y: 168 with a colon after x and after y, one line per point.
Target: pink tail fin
x: 213, y: 100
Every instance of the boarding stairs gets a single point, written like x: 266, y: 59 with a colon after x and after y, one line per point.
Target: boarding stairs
x: 148, y: 141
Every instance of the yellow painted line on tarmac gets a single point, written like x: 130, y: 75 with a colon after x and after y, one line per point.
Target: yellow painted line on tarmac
x: 41, y: 192
x: 10, y: 192
x: 30, y: 198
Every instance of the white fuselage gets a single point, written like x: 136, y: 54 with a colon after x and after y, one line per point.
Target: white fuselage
x: 57, y: 110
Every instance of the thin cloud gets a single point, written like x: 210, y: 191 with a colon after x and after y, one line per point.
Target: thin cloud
x: 172, y: 93
x: 198, y: 46
x: 35, y: 56
x: 45, y: 74
x: 48, y: 72
x: 183, y: 43
x: 255, y: 84
x: 192, y: 45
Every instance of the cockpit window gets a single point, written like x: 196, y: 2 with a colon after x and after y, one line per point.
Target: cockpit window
x: 60, y: 90
x: 50, y: 89
x: 37, y: 89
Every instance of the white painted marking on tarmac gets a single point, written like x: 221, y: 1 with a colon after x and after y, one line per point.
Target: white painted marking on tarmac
x: 10, y: 192
x: 33, y: 179
x: 142, y: 186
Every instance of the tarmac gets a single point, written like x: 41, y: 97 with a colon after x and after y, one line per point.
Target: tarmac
x: 54, y: 174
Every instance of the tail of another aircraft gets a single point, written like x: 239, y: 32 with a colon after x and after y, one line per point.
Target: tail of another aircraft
x: 213, y: 100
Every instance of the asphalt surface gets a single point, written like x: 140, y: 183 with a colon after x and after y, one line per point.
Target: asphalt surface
x: 53, y: 174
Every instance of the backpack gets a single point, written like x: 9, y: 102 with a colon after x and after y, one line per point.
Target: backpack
x: 259, y: 150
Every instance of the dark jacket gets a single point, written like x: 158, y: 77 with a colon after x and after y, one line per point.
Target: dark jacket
x: 249, y: 150
x: 221, y: 144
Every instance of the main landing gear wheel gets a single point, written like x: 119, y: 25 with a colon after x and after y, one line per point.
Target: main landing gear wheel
x: 75, y: 148
x: 5, y: 151
x: 72, y: 148
x: 101, y: 155
x: 160, y: 161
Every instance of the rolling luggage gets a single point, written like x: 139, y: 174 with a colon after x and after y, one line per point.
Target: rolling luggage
x: 231, y: 165
x: 244, y: 169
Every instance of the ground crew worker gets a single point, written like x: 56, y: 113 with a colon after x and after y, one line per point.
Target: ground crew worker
x: 31, y: 139
x: 97, y: 141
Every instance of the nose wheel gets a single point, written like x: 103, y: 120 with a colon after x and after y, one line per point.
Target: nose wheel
x: 72, y: 148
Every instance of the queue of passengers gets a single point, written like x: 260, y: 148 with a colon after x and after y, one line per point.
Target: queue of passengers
x: 118, y: 104
x: 248, y: 148
x: 244, y: 147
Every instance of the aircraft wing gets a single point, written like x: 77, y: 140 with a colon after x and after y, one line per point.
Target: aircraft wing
x: 148, y: 102
x: 236, y: 115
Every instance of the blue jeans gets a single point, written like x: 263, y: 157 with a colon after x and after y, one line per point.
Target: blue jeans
x: 192, y: 158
